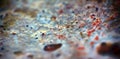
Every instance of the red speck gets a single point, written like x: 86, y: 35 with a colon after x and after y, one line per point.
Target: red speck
x: 60, y: 11
x: 96, y: 38
x: 96, y: 22
x: 89, y: 32
x: 93, y: 23
x: 81, y: 48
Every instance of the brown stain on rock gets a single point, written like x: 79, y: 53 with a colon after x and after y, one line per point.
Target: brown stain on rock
x: 27, y: 11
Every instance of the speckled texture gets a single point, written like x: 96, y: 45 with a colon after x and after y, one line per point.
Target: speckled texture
x: 78, y: 25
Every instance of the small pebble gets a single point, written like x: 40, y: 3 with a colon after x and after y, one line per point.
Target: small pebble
x: 52, y: 47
